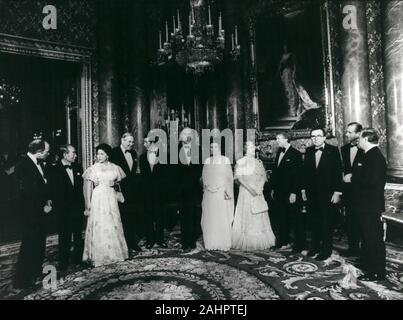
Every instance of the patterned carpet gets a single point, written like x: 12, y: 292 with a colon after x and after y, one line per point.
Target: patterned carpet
x: 170, y: 274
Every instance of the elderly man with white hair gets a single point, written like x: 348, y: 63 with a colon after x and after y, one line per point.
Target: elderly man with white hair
x: 125, y: 157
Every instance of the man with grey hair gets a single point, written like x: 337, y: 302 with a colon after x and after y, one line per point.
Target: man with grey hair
x: 368, y: 181
x: 126, y: 157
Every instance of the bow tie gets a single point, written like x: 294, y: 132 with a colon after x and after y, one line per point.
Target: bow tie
x: 67, y: 166
x: 282, y: 150
x: 318, y: 149
x: 353, y: 146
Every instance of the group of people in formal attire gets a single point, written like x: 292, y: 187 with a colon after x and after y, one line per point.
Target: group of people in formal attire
x: 324, y: 182
x: 319, y: 180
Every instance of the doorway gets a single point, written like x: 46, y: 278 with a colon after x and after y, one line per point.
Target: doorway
x: 48, y: 107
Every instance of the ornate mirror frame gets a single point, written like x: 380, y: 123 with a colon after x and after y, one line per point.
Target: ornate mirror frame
x: 81, y: 55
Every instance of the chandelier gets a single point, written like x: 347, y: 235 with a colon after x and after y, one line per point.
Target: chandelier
x: 9, y: 94
x: 202, y: 49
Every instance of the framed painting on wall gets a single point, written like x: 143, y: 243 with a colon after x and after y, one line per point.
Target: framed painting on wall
x: 292, y: 68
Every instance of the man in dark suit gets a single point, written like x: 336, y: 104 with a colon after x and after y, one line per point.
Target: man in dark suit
x: 153, y: 185
x: 68, y: 202
x: 286, y: 192
x: 322, y: 190
x: 190, y: 193
x: 35, y: 203
x: 368, y: 181
x: 351, y: 155
x: 126, y: 157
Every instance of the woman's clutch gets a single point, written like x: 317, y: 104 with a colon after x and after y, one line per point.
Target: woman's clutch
x: 119, y: 194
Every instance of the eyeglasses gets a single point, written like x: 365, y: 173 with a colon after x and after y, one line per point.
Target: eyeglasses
x: 314, y: 137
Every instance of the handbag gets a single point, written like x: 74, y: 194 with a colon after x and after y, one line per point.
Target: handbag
x: 259, y: 205
x: 119, y: 195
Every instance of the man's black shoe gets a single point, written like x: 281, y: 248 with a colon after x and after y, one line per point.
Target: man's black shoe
x: 372, y: 277
x: 311, y: 253
x: 162, y: 245
x: 137, y: 248
x: 322, y: 257
x: 350, y: 253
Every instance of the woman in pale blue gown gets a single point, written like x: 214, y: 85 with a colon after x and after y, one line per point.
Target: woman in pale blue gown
x: 104, y: 238
x: 218, y: 201
x: 250, y: 231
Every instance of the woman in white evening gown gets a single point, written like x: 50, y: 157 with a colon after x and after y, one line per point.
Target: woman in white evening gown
x: 104, y: 238
x: 250, y: 231
x: 218, y: 201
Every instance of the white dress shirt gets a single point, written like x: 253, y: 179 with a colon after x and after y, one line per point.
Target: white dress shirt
x: 69, y: 172
x: 353, y: 154
x: 282, y: 155
x: 35, y: 161
x: 318, y: 155
x: 128, y: 156
x: 152, y: 159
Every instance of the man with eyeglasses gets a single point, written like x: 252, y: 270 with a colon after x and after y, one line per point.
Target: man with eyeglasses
x: 322, y: 177
x: 154, y: 193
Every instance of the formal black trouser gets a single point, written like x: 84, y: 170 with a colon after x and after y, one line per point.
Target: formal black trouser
x: 189, y: 225
x: 300, y: 229
x: 155, y: 222
x: 130, y: 223
x: 352, y: 228
x: 373, y: 246
x: 322, y: 213
x: 286, y: 220
x: 70, y: 227
x: 31, y: 256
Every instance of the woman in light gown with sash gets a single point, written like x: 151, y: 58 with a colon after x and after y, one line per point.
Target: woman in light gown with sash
x: 104, y: 238
x: 250, y: 231
x: 218, y: 201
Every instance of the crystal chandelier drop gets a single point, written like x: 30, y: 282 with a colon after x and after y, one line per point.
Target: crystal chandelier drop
x: 10, y: 94
x: 202, y: 49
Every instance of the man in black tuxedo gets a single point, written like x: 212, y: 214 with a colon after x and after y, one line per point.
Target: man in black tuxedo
x: 153, y: 185
x: 35, y: 203
x: 286, y: 193
x: 351, y: 155
x: 322, y: 190
x: 368, y: 181
x: 126, y: 157
x: 190, y: 193
x: 68, y: 202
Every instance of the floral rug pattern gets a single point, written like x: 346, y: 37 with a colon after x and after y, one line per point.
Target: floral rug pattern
x: 171, y: 274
